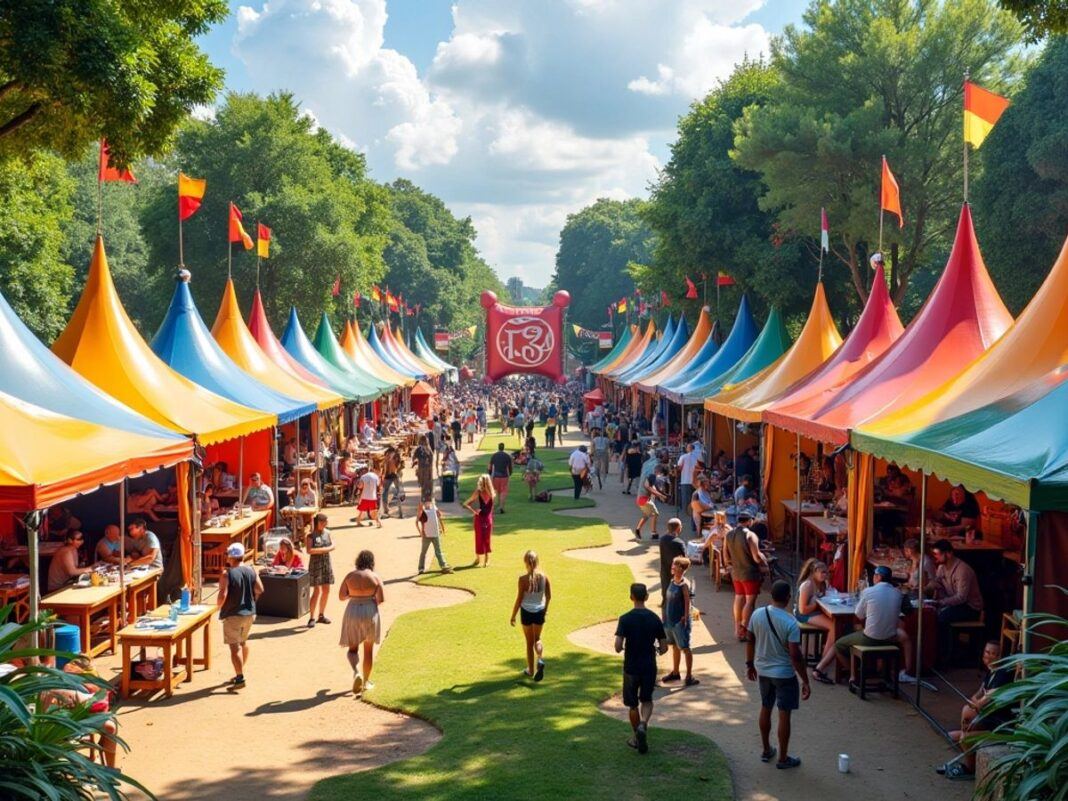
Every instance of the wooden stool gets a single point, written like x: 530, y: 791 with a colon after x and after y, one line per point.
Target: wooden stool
x: 1010, y: 633
x: 871, y: 655
x: 971, y: 631
x: 810, y: 633
x: 332, y: 494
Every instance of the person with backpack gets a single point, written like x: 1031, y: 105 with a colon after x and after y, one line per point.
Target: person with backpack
x: 431, y: 527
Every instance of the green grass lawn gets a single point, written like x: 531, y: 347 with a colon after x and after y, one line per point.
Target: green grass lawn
x: 505, y: 737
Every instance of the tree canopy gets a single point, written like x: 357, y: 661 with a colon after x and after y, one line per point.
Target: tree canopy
x: 1041, y: 18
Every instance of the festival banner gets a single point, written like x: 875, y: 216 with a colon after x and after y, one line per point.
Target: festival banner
x: 525, y: 339
x: 442, y: 340
x: 604, y: 340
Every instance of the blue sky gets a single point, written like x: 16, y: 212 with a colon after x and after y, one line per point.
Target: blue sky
x: 515, y: 112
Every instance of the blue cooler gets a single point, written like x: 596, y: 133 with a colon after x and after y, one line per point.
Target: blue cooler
x: 68, y: 638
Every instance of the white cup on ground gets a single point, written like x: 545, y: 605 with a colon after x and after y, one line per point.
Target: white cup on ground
x: 843, y: 763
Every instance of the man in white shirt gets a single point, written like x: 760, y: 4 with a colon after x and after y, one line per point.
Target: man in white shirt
x: 368, y: 485
x: 687, y: 465
x: 579, y: 462
x: 879, y: 609
x: 368, y: 433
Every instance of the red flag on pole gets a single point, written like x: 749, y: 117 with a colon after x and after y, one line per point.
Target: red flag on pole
x: 691, y: 290
x: 722, y: 279
x: 106, y: 172
x: 825, y: 232
x: 356, y: 297
x: 335, y: 290
x: 664, y: 299
x: 890, y: 197
x: 237, y: 230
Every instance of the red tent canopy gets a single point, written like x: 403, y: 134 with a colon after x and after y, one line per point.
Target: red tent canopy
x: 593, y: 398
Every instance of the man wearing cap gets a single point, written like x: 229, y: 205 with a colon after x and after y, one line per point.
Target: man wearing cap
x: 239, y: 587
x: 579, y: 463
x: 742, y: 556
x: 879, y: 609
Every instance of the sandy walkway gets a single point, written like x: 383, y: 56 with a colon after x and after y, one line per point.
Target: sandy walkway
x: 892, y: 749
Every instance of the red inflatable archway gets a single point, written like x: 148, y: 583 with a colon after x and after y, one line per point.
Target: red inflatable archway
x: 525, y: 339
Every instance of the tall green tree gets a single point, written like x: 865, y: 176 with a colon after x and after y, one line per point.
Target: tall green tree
x: 706, y: 214
x: 1041, y: 18
x: 328, y: 220
x: 36, y: 210
x: 596, y: 246
x: 72, y: 71
x: 864, y: 78
x: 1021, y: 198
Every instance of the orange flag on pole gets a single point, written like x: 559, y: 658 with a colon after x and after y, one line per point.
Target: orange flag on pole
x: 108, y: 173
x: 982, y: 109
x: 237, y: 230
x: 190, y: 194
x: 891, y: 195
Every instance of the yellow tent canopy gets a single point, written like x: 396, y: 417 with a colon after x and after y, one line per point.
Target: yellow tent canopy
x: 353, y: 343
x: 101, y: 342
x: 633, y: 353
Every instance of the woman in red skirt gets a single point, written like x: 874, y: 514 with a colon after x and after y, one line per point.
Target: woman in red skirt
x: 486, y: 497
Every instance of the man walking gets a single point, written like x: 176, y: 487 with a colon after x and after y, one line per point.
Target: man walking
x: 687, y: 465
x: 640, y: 637
x: 239, y: 587
x: 579, y: 463
x: 423, y: 462
x: 741, y: 553
x: 773, y: 657
x: 501, y: 466
x: 671, y: 547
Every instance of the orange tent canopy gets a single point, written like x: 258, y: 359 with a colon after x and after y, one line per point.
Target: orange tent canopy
x: 358, y: 349
x: 681, y: 360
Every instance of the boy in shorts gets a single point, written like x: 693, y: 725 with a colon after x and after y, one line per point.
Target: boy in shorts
x: 677, y: 625
x: 639, y: 637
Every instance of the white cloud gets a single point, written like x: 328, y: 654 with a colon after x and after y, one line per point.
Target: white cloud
x: 529, y: 111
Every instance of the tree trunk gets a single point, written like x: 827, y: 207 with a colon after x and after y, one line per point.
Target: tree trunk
x: 17, y: 122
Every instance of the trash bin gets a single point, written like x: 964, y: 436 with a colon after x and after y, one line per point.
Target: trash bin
x: 448, y: 488
x: 67, y: 638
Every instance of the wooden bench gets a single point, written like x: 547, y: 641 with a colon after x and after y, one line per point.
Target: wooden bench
x: 871, y: 655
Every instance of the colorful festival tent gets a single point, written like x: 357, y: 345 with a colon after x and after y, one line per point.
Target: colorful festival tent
x: 669, y: 348
x: 265, y: 337
x: 396, y: 341
x: 184, y: 343
x: 389, y: 357
x: 101, y: 342
x: 427, y: 354
x: 422, y: 393
x: 328, y: 347
x: 648, y: 354
x: 238, y: 343
x: 771, y: 344
x: 703, y: 331
x: 711, y: 361
x: 633, y: 353
x: 297, y: 345
x: 359, y: 351
x: 616, y: 352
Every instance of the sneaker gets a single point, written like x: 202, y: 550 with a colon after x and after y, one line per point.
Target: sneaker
x: 237, y: 682
x: 368, y: 685
x: 446, y: 569
x: 324, y: 619
x: 672, y: 676
x: 767, y: 756
x: 638, y: 534
x: 642, y: 737
x: 691, y: 681
x: 905, y: 678
x: 311, y: 622
x: 539, y: 674
x: 789, y: 762
x: 357, y: 683
x: 655, y: 537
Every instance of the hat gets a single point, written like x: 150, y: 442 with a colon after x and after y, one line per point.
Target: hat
x: 235, y: 551
x: 582, y: 448
x: 885, y: 572
x: 744, y: 514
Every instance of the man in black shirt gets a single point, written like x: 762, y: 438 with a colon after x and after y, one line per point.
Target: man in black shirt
x: 500, y: 471
x: 640, y: 637
x: 239, y: 587
x: 671, y: 545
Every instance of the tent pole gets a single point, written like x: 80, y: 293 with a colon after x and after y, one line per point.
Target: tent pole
x: 919, y: 620
x: 122, y: 552
x: 33, y: 533
x: 198, y: 579
x: 277, y: 462
x: 1030, y: 546
x: 797, y: 500
x: 240, y: 469
x: 734, y: 458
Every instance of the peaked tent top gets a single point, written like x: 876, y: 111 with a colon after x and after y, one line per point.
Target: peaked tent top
x: 962, y: 317
x: 395, y: 339
x: 648, y: 355
x: 297, y: 345
x: 426, y: 353
x: 672, y: 366
x: 328, y: 347
x: 634, y: 351
x: 238, y: 343
x: 669, y: 347
x: 388, y: 356
x: 814, y: 345
x: 772, y: 343
x: 102, y: 344
x: 184, y: 342
x: 353, y: 343
x: 616, y: 351
x: 263, y: 334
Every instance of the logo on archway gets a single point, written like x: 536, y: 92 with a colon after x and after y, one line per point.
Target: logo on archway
x: 525, y: 342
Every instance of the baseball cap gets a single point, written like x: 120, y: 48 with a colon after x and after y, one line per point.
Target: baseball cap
x: 885, y: 572
x: 236, y: 550
x: 744, y: 514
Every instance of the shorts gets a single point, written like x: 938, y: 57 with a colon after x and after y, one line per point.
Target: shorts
x: 532, y: 618
x: 785, y: 692
x: 678, y: 634
x: 638, y: 687
x: 747, y: 587
x: 844, y: 643
x: 803, y: 618
x: 368, y: 506
x: 500, y: 485
x: 236, y: 629
x: 649, y: 509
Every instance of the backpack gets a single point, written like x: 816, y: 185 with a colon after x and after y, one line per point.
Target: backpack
x: 543, y: 497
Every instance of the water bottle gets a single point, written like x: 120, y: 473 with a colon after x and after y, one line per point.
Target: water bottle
x: 173, y: 610
x: 185, y: 599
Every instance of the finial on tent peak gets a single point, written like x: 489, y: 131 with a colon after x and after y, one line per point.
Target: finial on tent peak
x: 184, y: 275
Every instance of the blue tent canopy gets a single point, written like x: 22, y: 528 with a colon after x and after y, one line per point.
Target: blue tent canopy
x: 667, y: 351
x: 652, y: 348
x: 376, y: 343
x: 184, y: 342
x: 31, y: 372
x: 424, y: 352
x: 297, y: 345
x: 327, y: 346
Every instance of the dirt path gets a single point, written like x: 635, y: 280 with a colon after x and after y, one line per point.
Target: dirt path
x: 893, y: 750
x: 296, y: 721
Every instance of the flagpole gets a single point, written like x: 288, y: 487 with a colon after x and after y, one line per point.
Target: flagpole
x: 881, y: 208
x: 100, y: 203
x: 819, y: 279
x: 964, y: 144
x: 181, y: 248
x: 229, y: 259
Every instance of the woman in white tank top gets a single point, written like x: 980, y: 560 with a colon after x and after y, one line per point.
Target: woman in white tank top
x: 531, y: 603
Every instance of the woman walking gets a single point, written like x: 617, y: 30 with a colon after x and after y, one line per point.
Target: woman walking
x: 320, y: 569
x: 531, y: 604
x: 486, y: 496
x: 361, y: 628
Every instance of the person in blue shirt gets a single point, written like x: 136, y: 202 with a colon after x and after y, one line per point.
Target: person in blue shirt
x: 143, y: 545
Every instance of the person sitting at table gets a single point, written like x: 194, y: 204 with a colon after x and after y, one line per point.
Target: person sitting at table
x: 209, y: 504
x: 289, y: 454
x: 58, y: 522
x: 956, y: 592
x: 96, y: 698
x: 145, y: 503
x: 972, y: 717
x: 287, y: 556
x: 811, y: 585
x: 306, y: 496
x: 222, y: 479
x: 699, y: 550
x: 741, y: 495
x: 143, y: 545
x: 960, y: 510
x: 701, y: 500
x: 64, y: 564
x: 368, y: 434
x: 911, y: 551
x: 109, y: 548
x: 879, y: 609
x: 259, y: 495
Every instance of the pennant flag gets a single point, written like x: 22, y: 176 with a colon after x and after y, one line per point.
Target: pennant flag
x: 825, y: 232
x: 621, y: 306
x: 604, y: 339
x: 890, y: 197
x: 391, y: 301
x: 105, y: 172
x: 335, y: 290
x: 356, y: 298
x: 585, y: 333
x: 471, y: 330
x: 664, y: 299
x: 376, y: 294
x: 722, y: 279
x: 263, y: 240
x: 237, y: 230
x: 982, y: 109
x: 691, y: 290
x: 190, y: 193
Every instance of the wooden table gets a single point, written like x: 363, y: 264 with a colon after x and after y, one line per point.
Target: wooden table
x: 245, y: 530
x: 841, y: 610
x: 45, y: 551
x: 10, y: 593
x: 177, y: 645
x: 79, y: 604
x: 808, y: 509
x: 303, y: 514
x: 141, y: 591
x: 818, y: 530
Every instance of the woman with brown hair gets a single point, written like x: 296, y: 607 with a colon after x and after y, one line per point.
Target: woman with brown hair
x: 361, y: 627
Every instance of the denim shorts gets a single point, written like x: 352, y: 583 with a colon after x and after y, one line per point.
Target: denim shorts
x: 678, y: 634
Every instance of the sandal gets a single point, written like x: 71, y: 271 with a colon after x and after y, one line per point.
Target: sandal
x: 822, y: 677
x: 789, y: 762
x: 691, y: 681
x: 768, y: 755
x: 958, y: 772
